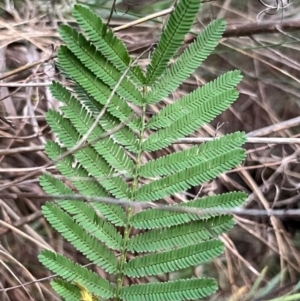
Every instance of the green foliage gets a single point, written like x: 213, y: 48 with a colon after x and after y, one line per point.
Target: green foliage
x: 179, y: 236
x: 191, y: 289
x: 187, y: 62
x: 67, y: 290
x: 176, y: 28
x: 126, y: 243
x: 155, y: 218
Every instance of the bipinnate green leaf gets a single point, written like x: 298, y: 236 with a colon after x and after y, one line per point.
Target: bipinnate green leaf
x: 189, y: 157
x: 179, y: 236
x: 89, y: 246
x: 124, y: 136
x: 97, y: 63
x: 178, y: 25
x: 158, y: 218
x: 85, y: 215
x: 87, y: 156
x: 105, y: 41
x: 186, y: 122
x: 69, y: 271
x: 178, y: 290
x: 111, y: 163
x: 170, y: 261
x: 189, y: 177
x: 186, y: 64
x: 82, y: 182
x: 66, y: 290
x: 94, y: 86
x: 83, y: 120
x: 195, y: 99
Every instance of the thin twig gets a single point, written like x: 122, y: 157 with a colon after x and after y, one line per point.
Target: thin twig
x: 259, y: 140
x: 25, y: 85
x: 264, y: 140
x: 153, y: 205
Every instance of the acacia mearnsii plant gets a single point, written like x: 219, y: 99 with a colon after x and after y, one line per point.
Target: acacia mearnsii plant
x: 133, y: 246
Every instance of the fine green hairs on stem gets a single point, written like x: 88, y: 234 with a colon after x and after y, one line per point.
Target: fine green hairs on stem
x: 133, y: 246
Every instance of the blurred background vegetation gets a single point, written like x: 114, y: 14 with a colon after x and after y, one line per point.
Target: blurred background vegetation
x: 262, y: 258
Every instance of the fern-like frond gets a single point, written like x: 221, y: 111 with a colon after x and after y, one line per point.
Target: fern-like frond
x: 178, y: 290
x: 178, y: 25
x: 195, y: 99
x: 187, y: 122
x: 124, y: 136
x: 69, y: 271
x: 190, y: 60
x: 189, y: 177
x: 98, y: 64
x: 159, y: 263
x: 81, y: 180
x: 79, y: 238
x: 87, y: 156
x: 110, y: 163
x: 105, y: 41
x: 83, y: 121
x: 66, y: 290
x: 92, y: 85
x: 179, y: 236
x: 192, y: 156
x: 158, y: 218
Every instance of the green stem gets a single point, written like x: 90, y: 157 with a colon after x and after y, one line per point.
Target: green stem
x: 127, y: 227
